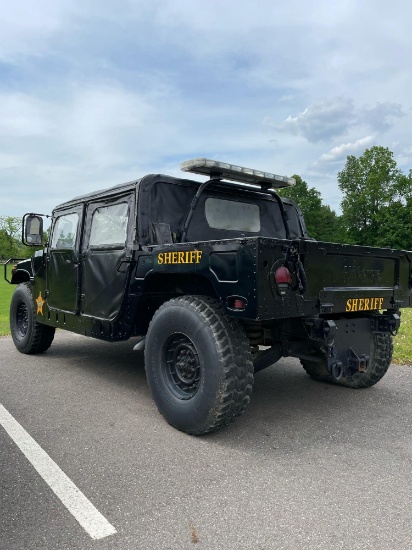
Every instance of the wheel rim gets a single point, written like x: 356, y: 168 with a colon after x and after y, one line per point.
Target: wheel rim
x: 181, y: 366
x: 22, y: 319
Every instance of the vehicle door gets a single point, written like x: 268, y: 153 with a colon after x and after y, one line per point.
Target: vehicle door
x: 106, y: 253
x: 63, y: 261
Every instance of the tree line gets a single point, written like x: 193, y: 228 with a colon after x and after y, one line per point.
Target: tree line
x: 376, y: 204
x: 10, y: 239
x: 10, y: 233
x: 376, y: 207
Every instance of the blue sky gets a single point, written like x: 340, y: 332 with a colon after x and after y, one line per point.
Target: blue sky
x: 95, y: 93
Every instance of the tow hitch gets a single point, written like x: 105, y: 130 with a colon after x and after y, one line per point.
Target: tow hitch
x: 353, y: 365
x: 356, y: 363
x: 347, y: 341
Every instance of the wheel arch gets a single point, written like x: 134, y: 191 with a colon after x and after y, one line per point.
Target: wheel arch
x: 161, y: 287
x: 20, y: 276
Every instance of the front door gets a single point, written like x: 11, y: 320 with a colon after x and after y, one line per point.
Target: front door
x: 105, y: 254
x: 63, y: 261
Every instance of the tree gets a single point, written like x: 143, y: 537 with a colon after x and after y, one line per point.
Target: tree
x: 10, y: 231
x: 395, y: 228
x: 10, y: 239
x: 374, y: 198
x: 329, y: 226
x: 322, y: 223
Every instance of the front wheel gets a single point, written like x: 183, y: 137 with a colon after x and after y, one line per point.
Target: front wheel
x: 198, y: 365
x: 381, y: 348
x: 29, y: 336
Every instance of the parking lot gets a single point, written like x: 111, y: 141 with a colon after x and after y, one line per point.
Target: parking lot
x: 308, y: 466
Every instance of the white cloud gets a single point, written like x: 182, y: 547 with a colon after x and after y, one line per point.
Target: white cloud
x: 27, y: 27
x: 382, y: 116
x: 93, y: 93
x: 320, y: 121
x: 22, y: 115
x: 404, y: 157
x: 341, y: 151
x: 337, y: 117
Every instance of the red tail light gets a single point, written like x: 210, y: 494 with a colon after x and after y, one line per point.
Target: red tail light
x: 283, y: 275
x: 283, y: 279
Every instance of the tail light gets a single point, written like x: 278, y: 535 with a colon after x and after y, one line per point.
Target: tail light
x: 283, y: 279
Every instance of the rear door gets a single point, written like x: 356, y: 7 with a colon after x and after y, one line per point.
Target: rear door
x: 106, y: 252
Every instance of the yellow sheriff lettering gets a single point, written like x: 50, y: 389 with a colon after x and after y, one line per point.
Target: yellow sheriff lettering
x: 40, y: 303
x: 187, y: 257
x: 364, y: 304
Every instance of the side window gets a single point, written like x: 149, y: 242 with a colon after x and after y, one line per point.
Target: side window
x: 109, y: 225
x: 65, y: 231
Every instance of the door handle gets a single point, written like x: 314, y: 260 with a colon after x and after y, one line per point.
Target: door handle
x: 127, y: 261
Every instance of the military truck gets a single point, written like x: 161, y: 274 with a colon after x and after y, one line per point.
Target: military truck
x: 215, y: 280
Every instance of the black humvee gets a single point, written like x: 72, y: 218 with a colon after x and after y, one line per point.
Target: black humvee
x: 217, y: 280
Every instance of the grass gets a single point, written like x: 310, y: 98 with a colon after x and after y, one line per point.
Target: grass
x: 6, y: 291
x: 402, y: 354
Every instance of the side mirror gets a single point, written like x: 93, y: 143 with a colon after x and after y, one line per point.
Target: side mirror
x: 32, y: 230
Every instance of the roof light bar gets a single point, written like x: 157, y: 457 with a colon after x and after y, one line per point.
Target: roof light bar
x: 235, y: 173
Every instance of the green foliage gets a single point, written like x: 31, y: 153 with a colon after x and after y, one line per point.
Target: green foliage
x: 322, y: 223
x: 376, y: 205
x: 10, y: 228
x: 395, y: 226
x: 10, y: 239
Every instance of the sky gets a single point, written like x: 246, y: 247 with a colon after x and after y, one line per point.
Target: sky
x: 96, y: 93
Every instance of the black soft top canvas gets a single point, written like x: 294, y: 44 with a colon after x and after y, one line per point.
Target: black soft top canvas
x: 167, y: 200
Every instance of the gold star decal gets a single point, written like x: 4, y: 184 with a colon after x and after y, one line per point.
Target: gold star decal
x: 40, y: 303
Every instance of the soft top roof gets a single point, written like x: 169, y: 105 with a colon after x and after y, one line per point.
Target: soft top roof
x: 149, y: 180
x: 115, y: 190
x: 167, y: 199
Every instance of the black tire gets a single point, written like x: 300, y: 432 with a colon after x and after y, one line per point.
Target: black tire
x: 29, y: 336
x: 198, y: 365
x: 381, y: 349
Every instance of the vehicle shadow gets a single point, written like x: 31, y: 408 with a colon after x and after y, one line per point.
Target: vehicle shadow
x: 289, y: 411
x: 113, y: 360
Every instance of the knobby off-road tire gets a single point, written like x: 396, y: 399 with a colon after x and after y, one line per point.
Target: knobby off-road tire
x: 381, y: 349
x: 198, y: 365
x: 29, y: 336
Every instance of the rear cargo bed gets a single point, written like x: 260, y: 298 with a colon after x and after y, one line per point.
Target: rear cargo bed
x: 348, y: 278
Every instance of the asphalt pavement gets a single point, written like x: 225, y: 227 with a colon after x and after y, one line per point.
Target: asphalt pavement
x: 308, y: 466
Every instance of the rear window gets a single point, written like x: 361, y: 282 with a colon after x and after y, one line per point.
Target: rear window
x: 232, y: 215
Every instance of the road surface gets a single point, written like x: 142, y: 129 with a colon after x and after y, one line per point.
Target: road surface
x: 309, y: 465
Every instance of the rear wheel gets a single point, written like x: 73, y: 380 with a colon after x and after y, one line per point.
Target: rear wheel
x: 29, y: 336
x: 381, y: 348
x: 198, y: 365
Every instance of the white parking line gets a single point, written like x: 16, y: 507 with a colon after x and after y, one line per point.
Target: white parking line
x: 78, y: 505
